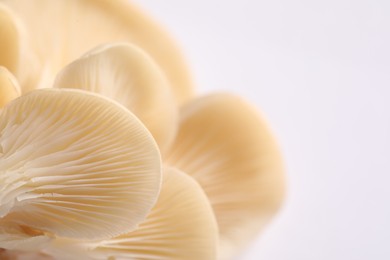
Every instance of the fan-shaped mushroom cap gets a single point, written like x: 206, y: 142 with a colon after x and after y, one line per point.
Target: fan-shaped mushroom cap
x: 9, y: 87
x: 61, y: 31
x: 9, y: 41
x: 75, y: 164
x: 180, y: 226
x: 128, y: 75
x: 228, y: 148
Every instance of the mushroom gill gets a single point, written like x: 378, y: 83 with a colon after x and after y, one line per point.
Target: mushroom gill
x: 74, y: 164
x: 180, y: 226
x: 127, y: 74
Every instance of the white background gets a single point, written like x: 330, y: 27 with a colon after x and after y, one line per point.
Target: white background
x: 320, y: 71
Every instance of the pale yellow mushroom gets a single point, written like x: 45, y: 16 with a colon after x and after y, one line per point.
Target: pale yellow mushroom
x: 15, y: 51
x: 74, y: 164
x: 9, y: 40
x: 180, y: 226
x: 128, y: 75
x: 61, y: 31
x: 9, y: 87
x: 229, y: 149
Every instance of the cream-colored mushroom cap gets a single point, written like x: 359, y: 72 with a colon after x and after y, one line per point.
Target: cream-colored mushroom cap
x: 9, y: 41
x: 74, y: 164
x: 61, y: 31
x: 180, y: 226
x: 127, y: 74
x: 15, y: 52
x: 9, y: 87
x: 229, y: 149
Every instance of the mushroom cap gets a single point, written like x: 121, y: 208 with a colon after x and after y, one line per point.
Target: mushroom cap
x: 127, y: 74
x: 180, y: 226
x: 9, y: 42
x: 78, y: 25
x: 75, y: 164
x: 229, y: 149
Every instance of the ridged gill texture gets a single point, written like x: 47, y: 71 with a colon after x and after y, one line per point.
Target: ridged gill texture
x: 128, y: 75
x: 61, y: 31
x: 76, y: 165
x: 228, y: 148
x: 180, y: 226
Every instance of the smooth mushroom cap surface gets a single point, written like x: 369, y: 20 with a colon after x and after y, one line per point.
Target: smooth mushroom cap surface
x: 229, y: 149
x: 127, y: 74
x: 76, y: 26
x: 10, y: 39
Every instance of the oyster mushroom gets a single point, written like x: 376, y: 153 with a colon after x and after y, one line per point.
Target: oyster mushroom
x: 80, y: 25
x: 9, y: 87
x: 180, y: 226
x: 62, y: 186
x: 228, y: 148
x: 127, y: 74
x: 73, y: 165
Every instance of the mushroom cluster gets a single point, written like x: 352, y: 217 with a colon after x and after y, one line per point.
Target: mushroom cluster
x: 107, y: 153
